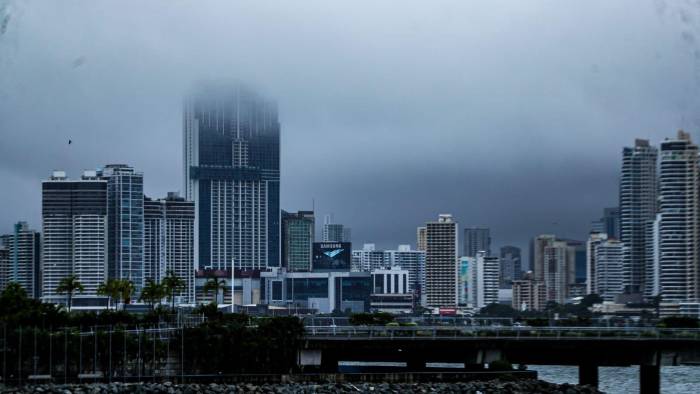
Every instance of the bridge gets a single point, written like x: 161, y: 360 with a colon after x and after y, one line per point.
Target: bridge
x: 475, y: 347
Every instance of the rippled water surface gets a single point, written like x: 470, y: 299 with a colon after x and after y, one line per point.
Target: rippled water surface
x: 619, y: 380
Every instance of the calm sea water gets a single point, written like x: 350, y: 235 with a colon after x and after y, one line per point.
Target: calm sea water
x: 613, y: 380
x: 619, y: 380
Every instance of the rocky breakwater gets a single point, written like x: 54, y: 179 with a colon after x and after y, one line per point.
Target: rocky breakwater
x: 524, y: 386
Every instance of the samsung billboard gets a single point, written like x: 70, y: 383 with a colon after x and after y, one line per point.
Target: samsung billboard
x: 332, y: 256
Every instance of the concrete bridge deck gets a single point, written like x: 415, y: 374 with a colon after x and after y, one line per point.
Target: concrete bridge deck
x: 586, y: 347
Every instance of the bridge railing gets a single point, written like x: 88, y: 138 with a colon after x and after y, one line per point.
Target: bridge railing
x: 466, y: 333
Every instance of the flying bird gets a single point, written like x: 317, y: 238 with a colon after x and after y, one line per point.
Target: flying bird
x: 70, y: 142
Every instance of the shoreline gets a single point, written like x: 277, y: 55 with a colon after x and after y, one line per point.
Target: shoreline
x: 493, y: 386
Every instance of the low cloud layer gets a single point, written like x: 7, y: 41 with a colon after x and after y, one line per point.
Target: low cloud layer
x: 510, y: 114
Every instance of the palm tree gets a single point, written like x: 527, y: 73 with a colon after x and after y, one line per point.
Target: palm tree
x: 172, y: 284
x: 215, y: 285
x: 151, y: 293
x: 126, y: 290
x: 69, y: 285
x: 111, y: 290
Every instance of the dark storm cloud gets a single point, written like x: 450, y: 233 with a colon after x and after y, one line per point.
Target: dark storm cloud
x: 509, y: 114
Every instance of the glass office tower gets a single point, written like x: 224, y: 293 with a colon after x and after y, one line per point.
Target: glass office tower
x: 232, y: 173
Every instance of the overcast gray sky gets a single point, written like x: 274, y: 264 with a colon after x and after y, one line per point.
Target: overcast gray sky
x: 510, y: 114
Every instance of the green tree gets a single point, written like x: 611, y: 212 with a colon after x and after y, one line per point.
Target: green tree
x: 172, y: 284
x: 152, y: 293
x: 591, y: 299
x: 215, y: 285
x: 111, y: 290
x: 126, y: 290
x: 69, y: 285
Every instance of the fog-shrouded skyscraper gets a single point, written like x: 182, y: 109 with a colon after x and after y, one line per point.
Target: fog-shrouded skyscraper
x: 74, y: 223
x: 476, y: 239
x: 232, y: 173
x: 679, y: 220
x: 638, y: 205
x: 442, y: 240
x: 169, y: 242
x: 124, y: 223
x: 297, y: 240
x: 23, y: 246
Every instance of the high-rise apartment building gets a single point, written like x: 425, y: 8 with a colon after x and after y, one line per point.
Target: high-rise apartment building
x: 232, y: 173
x: 609, y: 255
x: 297, y: 240
x: 421, y: 238
x: 334, y: 232
x: 369, y: 259
x: 638, y: 206
x: 169, y: 242
x: 594, y: 239
x: 465, y: 266
x: 24, y: 258
x: 511, y: 267
x: 476, y: 239
x: 485, y: 280
x: 74, y: 223
x: 537, y: 246
x: 442, y: 241
x: 529, y: 294
x: 411, y: 260
x: 679, y: 220
x: 124, y: 223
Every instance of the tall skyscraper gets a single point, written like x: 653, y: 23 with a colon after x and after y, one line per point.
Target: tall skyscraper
x: 74, y: 222
x: 555, y: 264
x: 638, y: 204
x: 485, y: 274
x: 124, y: 223
x: 169, y: 242
x: 421, y: 238
x: 442, y: 241
x: 609, y: 223
x: 476, y: 239
x: 232, y: 173
x: 537, y: 246
x: 609, y: 255
x: 511, y: 267
x: 679, y: 220
x: 24, y: 259
x: 297, y: 240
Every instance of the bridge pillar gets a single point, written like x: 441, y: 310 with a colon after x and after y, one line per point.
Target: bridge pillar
x: 329, y: 363
x: 588, y: 375
x: 415, y: 364
x: 649, y: 379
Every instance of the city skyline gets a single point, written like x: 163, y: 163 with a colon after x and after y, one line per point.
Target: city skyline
x: 480, y: 138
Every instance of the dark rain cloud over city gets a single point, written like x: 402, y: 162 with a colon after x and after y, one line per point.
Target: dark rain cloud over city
x: 506, y: 114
